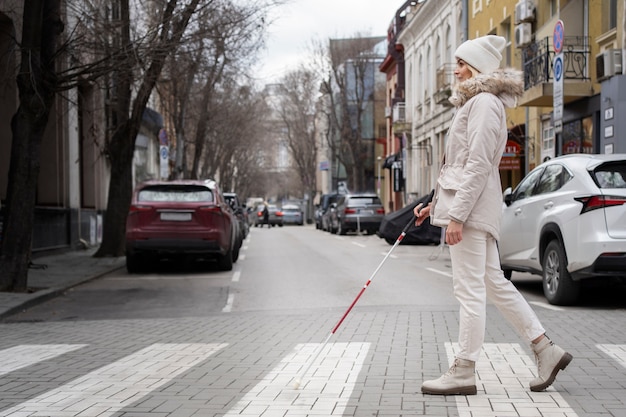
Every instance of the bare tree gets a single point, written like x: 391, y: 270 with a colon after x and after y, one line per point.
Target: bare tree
x: 37, y: 83
x: 348, y: 70
x: 297, y: 108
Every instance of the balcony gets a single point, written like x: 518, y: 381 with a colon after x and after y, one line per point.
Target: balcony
x: 537, y: 59
x: 445, y: 81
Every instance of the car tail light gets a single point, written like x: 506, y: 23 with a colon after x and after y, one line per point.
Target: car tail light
x: 380, y: 211
x: 349, y: 211
x: 210, y: 209
x: 136, y: 208
x: 599, y: 201
x: 279, y: 213
x: 259, y: 213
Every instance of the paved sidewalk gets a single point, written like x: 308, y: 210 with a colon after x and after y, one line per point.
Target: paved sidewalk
x: 52, y: 275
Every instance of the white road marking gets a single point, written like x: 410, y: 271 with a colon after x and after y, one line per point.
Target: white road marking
x: 325, y: 390
x: 109, y: 389
x: 236, y: 276
x: 229, y: 304
x: 446, y: 273
x: 390, y: 255
x: 18, y: 357
x: 242, y: 257
x: 617, y: 352
x: 503, y: 374
x: 359, y: 244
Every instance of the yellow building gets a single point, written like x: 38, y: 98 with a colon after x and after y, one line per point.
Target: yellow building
x: 559, y: 45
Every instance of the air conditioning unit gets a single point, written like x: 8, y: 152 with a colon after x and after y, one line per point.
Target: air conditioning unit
x: 523, y: 34
x: 387, y: 112
x: 524, y: 11
x: 608, y: 64
x: 399, y: 112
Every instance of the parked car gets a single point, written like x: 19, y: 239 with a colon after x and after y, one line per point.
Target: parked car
x: 327, y: 214
x: 293, y: 214
x: 275, y: 215
x: 180, y: 218
x: 240, y: 212
x: 566, y: 221
x: 356, y: 212
x: 320, y: 209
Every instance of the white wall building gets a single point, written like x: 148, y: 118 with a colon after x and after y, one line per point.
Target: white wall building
x: 430, y: 37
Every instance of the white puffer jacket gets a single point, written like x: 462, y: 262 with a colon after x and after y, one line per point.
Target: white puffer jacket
x: 468, y: 188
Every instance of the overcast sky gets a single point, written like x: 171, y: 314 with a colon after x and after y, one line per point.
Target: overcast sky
x: 298, y: 23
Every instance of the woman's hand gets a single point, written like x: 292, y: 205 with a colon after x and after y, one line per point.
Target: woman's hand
x: 421, y: 213
x: 454, y: 232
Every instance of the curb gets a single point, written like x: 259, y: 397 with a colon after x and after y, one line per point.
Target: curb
x: 50, y: 293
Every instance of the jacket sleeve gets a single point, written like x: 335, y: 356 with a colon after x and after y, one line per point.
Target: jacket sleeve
x: 484, y: 126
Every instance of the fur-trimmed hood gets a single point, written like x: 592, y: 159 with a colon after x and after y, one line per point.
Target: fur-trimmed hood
x: 507, y: 84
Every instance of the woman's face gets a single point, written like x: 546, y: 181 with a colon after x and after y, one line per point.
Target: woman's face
x: 462, y: 71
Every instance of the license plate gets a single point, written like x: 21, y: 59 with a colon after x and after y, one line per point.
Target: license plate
x: 366, y: 212
x: 176, y: 217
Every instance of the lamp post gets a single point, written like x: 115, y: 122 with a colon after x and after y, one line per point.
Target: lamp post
x: 379, y: 160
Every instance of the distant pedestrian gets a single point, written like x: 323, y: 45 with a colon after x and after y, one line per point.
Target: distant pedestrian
x: 467, y: 202
x: 266, y: 215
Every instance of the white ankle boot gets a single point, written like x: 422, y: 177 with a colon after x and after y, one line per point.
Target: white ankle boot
x: 459, y: 380
x: 550, y: 360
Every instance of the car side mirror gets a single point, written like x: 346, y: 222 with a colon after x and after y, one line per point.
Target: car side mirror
x: 507, y: 196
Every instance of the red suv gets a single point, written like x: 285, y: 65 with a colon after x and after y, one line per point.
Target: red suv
x: 182, y: 217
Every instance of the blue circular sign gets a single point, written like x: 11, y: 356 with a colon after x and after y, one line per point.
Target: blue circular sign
x: 558, y: 68
x: 164, y: 152
x: 558, y: 36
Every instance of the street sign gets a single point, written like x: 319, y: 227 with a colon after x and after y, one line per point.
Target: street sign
x: 559, y: 75
x: 558, y: 36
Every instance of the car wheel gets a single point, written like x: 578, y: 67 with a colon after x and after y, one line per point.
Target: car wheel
x: 225, y: 262
x: 341, y: 230
x: 134, y: 264
x: 558, y: 286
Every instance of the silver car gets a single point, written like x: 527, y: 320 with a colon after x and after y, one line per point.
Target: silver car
x: 357, y: 213
x: 566, y: 221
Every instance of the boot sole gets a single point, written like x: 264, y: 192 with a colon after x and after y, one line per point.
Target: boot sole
x: 468, y: 390
x: 565, y: 360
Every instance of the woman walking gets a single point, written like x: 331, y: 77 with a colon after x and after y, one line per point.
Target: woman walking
x: 467, y: 202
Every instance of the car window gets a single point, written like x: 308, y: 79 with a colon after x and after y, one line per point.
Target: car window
x: 178, y: 193
x: 552, y: 178
x: 363, y: 201
x: 525, y: 188
x: 611, y: 175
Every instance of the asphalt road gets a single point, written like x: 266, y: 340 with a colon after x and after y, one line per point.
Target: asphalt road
x: 286, y: 269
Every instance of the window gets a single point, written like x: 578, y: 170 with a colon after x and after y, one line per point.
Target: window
x: 175, y: 194
x: 477, y: 6
x: 547, y: 136
x: 525, y: 188
x: 611, y: 175
x: 612, y: 15
x: 553, y: 178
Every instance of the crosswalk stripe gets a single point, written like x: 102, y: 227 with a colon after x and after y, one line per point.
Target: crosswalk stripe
x: 617, y: 352
x: 106, y: 390
x: 18, y: 357
x: 325, y: 390
x: 503, y: 373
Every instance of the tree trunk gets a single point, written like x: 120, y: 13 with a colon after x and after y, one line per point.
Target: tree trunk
x: 37, y: 87
x: 120, y: 193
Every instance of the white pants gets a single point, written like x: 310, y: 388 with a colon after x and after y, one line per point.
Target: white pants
x: 477, y: 277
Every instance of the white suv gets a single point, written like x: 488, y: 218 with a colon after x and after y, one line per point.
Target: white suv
x: 566, y: 221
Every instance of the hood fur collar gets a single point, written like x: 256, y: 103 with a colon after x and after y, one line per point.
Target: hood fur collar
x: 507, y: 84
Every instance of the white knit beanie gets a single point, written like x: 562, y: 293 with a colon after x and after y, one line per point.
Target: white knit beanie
x: 482, y: 53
